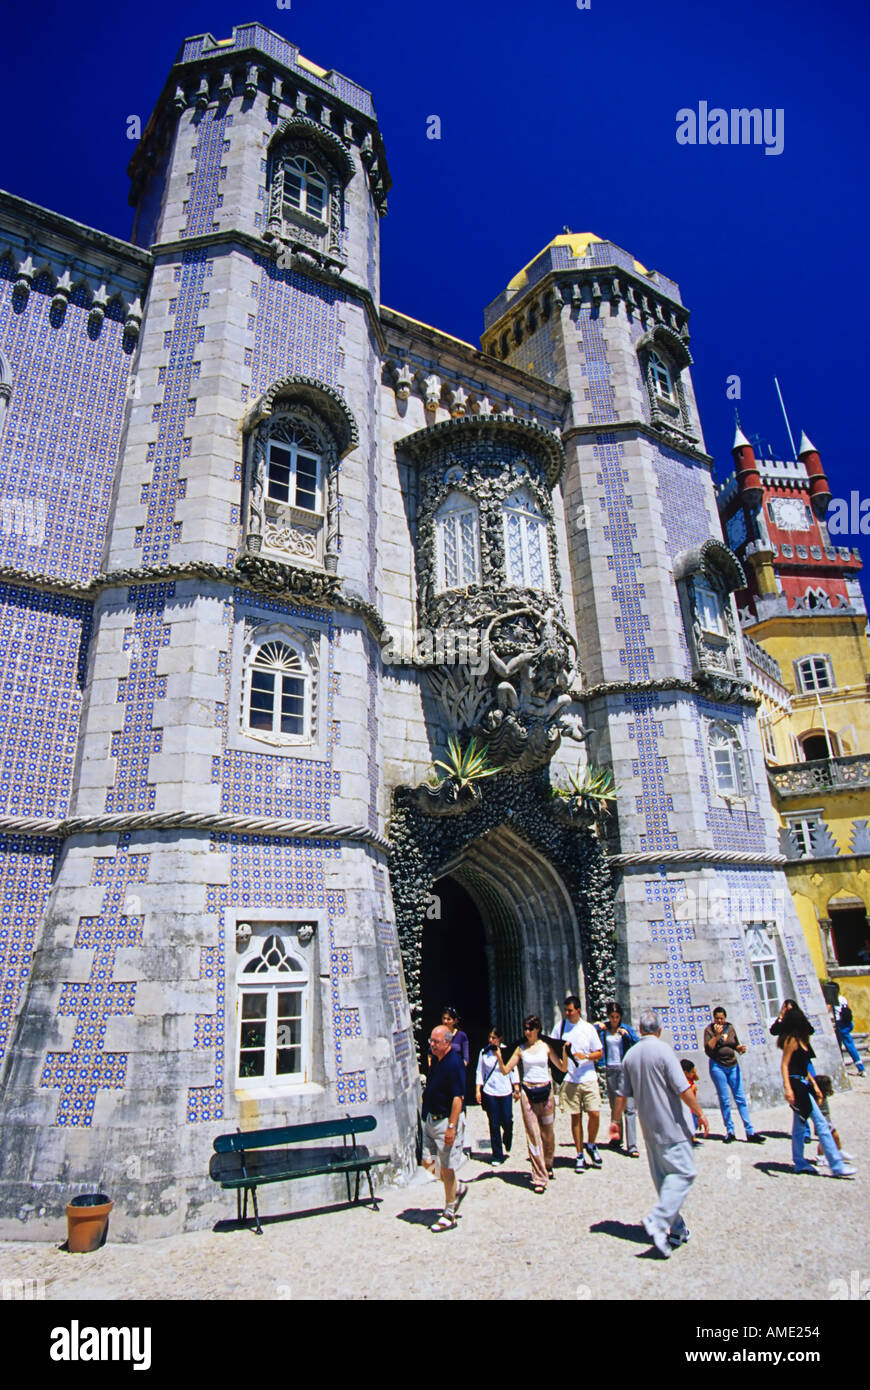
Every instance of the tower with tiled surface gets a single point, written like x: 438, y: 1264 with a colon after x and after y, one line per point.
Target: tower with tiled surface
x: 666, y: 687
x: 121, y: 1070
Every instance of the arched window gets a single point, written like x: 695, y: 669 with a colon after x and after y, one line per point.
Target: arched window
x: 814, y: 673
x: 279, y: 692
x: 662, y: 380
x: 294, y: 467
x: 457, y: 542
x: 525, y: 543
x: 305, y: 188
x: 272, y: 1025
x: 728, y: 760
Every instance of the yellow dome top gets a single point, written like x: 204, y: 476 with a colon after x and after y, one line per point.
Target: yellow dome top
x: 577, y: 242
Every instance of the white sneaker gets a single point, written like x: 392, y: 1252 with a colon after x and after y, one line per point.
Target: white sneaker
x: 847, y: 1171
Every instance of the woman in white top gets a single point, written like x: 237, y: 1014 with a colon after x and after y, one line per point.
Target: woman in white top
x: 536, y: 1098
x: 496, y: 1094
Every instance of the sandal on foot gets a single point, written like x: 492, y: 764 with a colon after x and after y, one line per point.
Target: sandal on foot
x: 461, y: 1191
x: 445, y: 1222
x: 536, y: 1187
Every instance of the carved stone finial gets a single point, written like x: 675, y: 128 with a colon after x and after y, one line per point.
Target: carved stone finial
x: 404, y: 381
x: 252, y: 80
x: 432, y: 392
x: 244, y: 932
x: 458, y: 402
x: 304, y: 932
x: 225, y: 91
x: 179, y: 101
x: 201, y: 98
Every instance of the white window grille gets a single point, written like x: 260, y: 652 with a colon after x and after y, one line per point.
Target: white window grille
x: 728, y: 759
x: 763, y: 953
x: 802, y: 828
x: 272, y: 1025
x: 768, y: 742
x: 457, y: 542
x: 295, y: 470
x: 708, y: 606
x: 279, y: 692
x: 304, y: 187
x: 661, y: 378
x: 814, y: 673
x: 525, y: 542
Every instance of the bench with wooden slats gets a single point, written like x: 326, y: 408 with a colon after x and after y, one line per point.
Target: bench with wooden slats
x: 245, y: 1160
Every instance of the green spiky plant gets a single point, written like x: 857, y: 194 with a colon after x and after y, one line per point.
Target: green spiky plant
x: 596, y: 789
x: 465, y: 768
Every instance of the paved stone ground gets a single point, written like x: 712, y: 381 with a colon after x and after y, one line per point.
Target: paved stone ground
x: 758, y: 1232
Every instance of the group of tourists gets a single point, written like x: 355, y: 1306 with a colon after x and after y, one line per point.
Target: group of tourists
x: 644, y: 1080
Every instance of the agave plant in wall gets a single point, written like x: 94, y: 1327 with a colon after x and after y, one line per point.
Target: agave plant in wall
x: 466, y: 766
x: 592, y: 792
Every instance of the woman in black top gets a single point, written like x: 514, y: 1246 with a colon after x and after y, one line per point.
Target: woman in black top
x: 803, y: 1095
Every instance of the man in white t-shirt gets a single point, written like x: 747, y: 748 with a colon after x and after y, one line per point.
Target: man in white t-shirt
x: 580, y: 1092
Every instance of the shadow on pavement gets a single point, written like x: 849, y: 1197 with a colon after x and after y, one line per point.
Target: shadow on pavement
x: 769, y: 1169
x: 222, y: 1228
x: 419, y: 1216
x: 636, y: 1234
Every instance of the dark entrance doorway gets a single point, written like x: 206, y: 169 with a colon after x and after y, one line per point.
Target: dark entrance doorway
x: 454, y: 968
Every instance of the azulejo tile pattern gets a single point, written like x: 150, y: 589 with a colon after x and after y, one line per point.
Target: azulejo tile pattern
x: 59, y: 446
x: 134, y: 744
x: 86, y: 1069
x: 284, y: 875
x: 27, y: 867
x: 674, y: 976
x: 738, y: 826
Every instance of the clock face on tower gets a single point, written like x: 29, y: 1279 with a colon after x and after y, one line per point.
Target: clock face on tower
x: 790, y: 514
x: 735, y: 529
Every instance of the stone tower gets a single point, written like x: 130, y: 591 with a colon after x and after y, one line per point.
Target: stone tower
x: 239, y: 574
x: 702, y: 900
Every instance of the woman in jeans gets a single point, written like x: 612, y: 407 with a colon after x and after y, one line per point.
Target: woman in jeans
x: 804, y: 1096
x: 616, y: 1038
x: 496, y: 1095
x: 536, y: 1098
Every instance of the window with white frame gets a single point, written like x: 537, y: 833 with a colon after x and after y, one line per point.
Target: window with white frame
x: 661, y: 378
x: 768, y: 742
x: 708, y: 607
x: 763, y: 952
x: 305, y: 188
x: 457, y: 542
x: 525, y: 543
x: 279, y: 691
x: 802, y: 827
x: 272, y: 1015
x: 728, y: 759
x: 294, y: 470
x: 814, y: 673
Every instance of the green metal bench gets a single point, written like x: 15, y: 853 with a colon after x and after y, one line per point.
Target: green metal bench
x: 246, y: 1160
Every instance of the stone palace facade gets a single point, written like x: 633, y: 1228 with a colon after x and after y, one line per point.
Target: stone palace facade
x: 266, y: 544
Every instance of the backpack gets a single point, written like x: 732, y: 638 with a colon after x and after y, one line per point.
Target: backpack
x: 844, y: 1017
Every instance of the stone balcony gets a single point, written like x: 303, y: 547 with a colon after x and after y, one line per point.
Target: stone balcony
x: 821, y: 775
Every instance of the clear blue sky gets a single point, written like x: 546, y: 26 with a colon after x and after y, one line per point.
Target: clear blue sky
x: 550, y: 115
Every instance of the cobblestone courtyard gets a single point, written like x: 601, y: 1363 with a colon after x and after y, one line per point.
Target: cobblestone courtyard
x: 581, y: 1240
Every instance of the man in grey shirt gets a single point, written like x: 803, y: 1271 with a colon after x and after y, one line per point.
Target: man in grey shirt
x: 654, y: 1077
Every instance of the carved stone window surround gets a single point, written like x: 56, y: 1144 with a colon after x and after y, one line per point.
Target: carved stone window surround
x: 252, y: 629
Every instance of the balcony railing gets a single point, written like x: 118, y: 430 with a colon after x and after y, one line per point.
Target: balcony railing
x: 821, y: 775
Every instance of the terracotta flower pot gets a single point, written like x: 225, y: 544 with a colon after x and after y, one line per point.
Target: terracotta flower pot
x: 87, y: 1220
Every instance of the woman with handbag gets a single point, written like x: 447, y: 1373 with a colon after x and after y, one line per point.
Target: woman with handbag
x: 803, y: 1095
x: 496, y: 1094
x: 536, y: 1098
